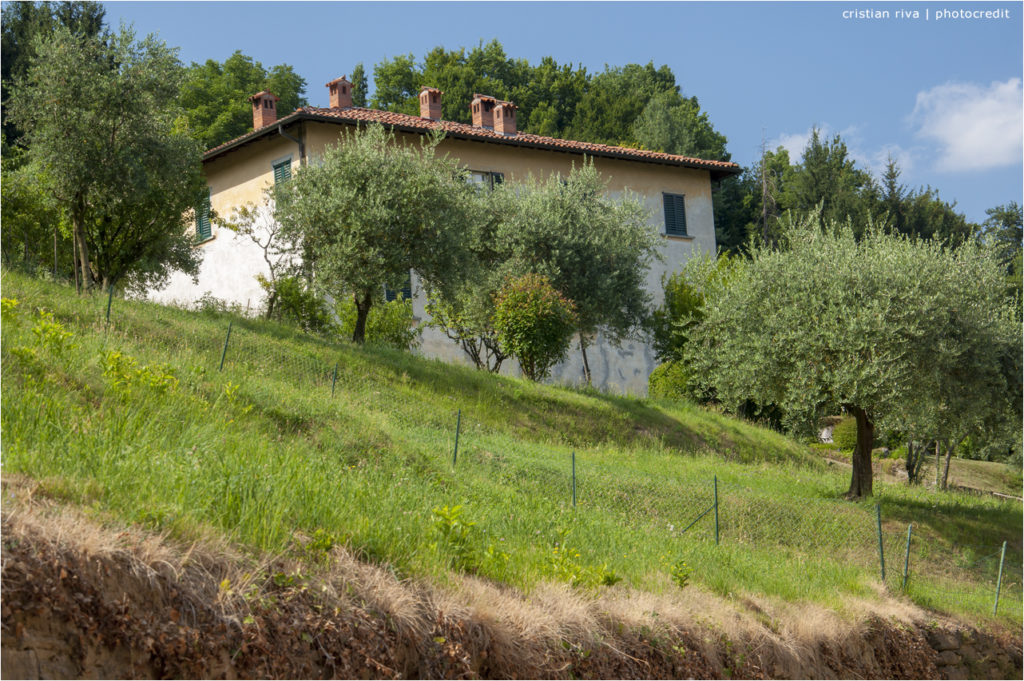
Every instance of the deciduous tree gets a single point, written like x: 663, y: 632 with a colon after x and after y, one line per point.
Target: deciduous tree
x: 886, y: 327
x: 99, y: 122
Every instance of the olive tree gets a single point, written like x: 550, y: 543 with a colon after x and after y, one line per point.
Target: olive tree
x: 595, y: 250
x: 889, y: 329
x: 371, y: 209
x: 99, y: 123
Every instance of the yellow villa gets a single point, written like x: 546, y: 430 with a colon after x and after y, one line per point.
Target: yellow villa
x: 675, y: 189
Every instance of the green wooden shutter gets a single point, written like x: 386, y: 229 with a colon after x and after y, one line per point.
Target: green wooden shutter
x: 675, y: 215
x: 282, y: 171
x: 203, y: 229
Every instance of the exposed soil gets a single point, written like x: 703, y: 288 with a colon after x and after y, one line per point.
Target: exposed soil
x: 81, y: 600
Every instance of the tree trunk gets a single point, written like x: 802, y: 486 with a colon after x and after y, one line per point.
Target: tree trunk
x: 362, y: 311
x: 586, y: 364
x: 938, y: 467
x: 83, y: 250
x: 860, y: 480
x: 952, y: 445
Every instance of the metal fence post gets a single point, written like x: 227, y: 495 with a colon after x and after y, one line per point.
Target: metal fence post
x: 458, y: 426
x: 574, y: 479
x: 906, y: 562
x: 334, y: 381
x: 881, y: 551
x: 999, y: 581
x: 224, y: 352
x: 110, y: 299
x: 716, y: 510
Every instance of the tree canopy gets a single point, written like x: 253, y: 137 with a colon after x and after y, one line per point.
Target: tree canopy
x: 99, y: 125
x: 886, y: 327
x: 373, y: 209
x: 215, y: 96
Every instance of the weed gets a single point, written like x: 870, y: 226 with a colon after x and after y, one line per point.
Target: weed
x: 454, y: 533
x: 680, y: 573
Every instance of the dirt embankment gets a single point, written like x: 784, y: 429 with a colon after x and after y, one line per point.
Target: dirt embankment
x: 85, y: 601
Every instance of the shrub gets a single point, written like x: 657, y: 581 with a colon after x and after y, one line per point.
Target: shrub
x: 534, y: 323
x: 844, y: 435
x: 291, y: 300
x: 388, y: 323
x: 669, y: 380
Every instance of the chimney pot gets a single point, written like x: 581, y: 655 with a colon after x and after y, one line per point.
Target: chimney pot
x: 505, y: 118
x: 341, y: 93
x: 482, y: 107
x: 264, y: 109
x: 430, y: 103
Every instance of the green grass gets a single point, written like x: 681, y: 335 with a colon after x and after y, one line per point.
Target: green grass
x: 261, y: 451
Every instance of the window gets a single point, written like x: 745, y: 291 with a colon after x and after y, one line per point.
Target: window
x: 283, y: 170
x: 485, y: 179
x: 675, y: 215
x: 203, y: 228
x: 406, y: 290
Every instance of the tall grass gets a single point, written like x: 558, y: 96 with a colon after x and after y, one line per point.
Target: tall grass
x: 261, y: 451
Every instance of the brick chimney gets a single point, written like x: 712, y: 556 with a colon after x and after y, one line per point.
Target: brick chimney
x: 505, y: 118
x: 341, y: 93
x: 482, y: 107
x: 430, y: 103
x: 264, y: 109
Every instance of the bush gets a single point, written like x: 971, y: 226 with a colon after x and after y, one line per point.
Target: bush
x: 388, y: 323
x: 844, y: 435
x: 291, y: 300
x: 669, y: 381
x: 534, y: 323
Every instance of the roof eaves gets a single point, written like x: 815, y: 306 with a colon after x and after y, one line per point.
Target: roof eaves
x: 718, y: 169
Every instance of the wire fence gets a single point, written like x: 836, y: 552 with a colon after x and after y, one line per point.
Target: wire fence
x: 917, y: 559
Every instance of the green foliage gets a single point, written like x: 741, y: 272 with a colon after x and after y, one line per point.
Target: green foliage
x: 35, y: 236
x: 359, y: 85
x: 23, y: 23
x: 596, y: 251
x: 51, y: 334
x: 917, y: 335
x: 844, y: 434
x: 291, y: 300
x: 389, y: 323
x: 686, y: 293
x: 214, y: 96
x: 669, y: 381
x: 1003, y: 231
x: 455, y: 534
x: 124, y: 373
x: 126, y: 180
x: 534, y: 323
x: 9, y: 310
x: 368, y: 466
x: 680, y: 573
x: 373, y: 210
x: 566, y: 566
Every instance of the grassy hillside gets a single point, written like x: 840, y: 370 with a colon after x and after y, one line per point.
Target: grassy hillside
x: 135, y: 419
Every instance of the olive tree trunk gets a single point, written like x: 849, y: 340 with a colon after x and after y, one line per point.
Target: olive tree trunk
x: 861, y: 479
x: 362, y: 311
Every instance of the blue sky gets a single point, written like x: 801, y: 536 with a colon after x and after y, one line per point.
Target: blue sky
x: 941, y: 94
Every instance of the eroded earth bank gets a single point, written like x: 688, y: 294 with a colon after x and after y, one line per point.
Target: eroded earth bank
x: 88, y: 600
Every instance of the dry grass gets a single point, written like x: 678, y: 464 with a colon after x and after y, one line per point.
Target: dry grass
x: 535, y: 634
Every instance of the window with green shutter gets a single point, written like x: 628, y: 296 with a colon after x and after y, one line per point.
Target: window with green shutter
x: 406, y: 290
x: 675, y: 215
x: 282, y: 171
x: 203, y: 228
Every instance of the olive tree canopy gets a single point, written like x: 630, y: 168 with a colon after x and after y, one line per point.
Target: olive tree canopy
x: 892, y: 330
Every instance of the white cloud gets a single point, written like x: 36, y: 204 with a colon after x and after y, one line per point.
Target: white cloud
x: 976, y: 127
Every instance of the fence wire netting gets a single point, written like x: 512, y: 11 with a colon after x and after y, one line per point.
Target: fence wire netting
x: 933, y: 568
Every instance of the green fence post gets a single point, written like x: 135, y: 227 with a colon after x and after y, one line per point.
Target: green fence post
x: 334, y: 381
x: 999, y: 581
x: 716, y: 510
x: 574, y: 479
x: 224, y: 352
x: 458, y: 425
x: 110, y: 299
x: 906, y: 562
x: 881, y: 551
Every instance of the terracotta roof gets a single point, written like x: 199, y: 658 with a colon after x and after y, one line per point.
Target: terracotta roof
x: 404, y: 122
